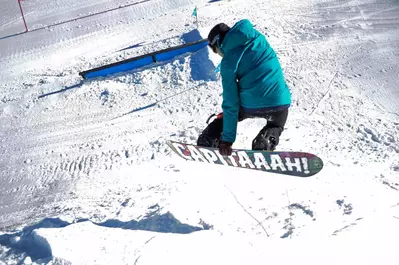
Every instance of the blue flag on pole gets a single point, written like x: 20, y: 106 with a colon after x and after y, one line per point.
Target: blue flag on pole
x: 194, y: 14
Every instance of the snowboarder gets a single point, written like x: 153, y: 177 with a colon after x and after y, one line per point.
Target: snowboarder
x: 253, y: 87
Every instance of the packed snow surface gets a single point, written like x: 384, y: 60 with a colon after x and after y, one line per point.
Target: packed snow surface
x: 86, y: 176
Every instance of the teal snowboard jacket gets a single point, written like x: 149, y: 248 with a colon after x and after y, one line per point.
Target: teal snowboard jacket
x: 252, y: 77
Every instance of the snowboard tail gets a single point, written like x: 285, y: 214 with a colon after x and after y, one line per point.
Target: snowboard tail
x: 299, y: 164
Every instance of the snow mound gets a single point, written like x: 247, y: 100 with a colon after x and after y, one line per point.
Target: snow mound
x: 54, y: 241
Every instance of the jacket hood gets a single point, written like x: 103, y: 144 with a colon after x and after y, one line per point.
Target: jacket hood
x: 239, y: 35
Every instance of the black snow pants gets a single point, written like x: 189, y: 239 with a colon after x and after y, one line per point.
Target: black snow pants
x: 267, y: 138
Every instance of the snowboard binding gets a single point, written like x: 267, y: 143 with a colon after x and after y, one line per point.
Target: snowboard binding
x: 267, y: 139
x: 211, y: 135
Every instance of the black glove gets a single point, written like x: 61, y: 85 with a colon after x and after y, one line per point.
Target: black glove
x: 225, y: 148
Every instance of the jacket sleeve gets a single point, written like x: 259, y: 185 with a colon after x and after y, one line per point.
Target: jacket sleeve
x: 231, y: 102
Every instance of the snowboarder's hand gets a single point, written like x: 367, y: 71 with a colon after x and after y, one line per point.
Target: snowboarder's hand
x: 225, y: 148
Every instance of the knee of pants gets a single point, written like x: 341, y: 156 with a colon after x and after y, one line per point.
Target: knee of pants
x: 277, y: 119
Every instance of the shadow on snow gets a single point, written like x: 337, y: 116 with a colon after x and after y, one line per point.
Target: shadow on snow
x: 26, y: 243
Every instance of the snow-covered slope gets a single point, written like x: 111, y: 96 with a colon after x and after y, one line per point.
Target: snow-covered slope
x: 94, y: 151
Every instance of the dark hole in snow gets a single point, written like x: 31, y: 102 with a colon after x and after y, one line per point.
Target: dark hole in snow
x: 105, y: 93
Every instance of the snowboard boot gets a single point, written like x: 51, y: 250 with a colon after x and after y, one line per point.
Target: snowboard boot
x: 211, y: 135
x: 267, y: 139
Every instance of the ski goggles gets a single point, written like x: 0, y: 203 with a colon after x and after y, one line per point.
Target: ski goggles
x: 214, y: 43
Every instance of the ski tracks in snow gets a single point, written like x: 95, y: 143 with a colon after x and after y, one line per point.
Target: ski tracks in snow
x: 59, y: 143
